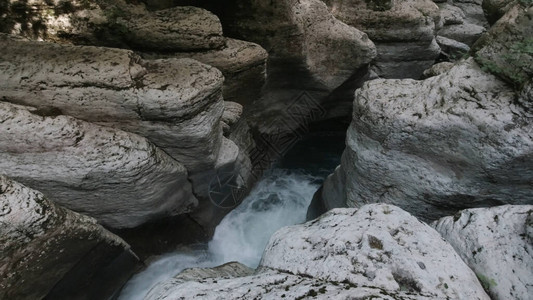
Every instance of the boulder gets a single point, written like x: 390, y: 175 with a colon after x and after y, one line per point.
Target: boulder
x: 453, y: 49
x: 302, y: 33
x: 378, y: 250
x: 438, y: 69
x: 43, y: 245
x: 496, y: 243
x: 119, y: 178
x: 506, y: 50
x: 453, y: 141
x: 403, y: 31
x: 243, y: 65
x: 114, y: 23
x: 461, y: 24
x: 175, y: 103
x: 495, y: 9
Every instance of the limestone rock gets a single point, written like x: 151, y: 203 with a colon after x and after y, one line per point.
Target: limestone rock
x: 432, y: 147
x: 505, y: 50
x: 376, y: 251
x: 242, y: 63
x: 271, y: 284
x: 463, y: 33
x: 304, y: 34
x: 118, y: 178
x: 438, y: 69
x: 114, y: 23
x: 404, y: 33
x: 42, y: 244
x: 496, y: 243
x: 227, y: 270
x: 452, y: 48
x: 495, y: 9
x: 183, y: 28
x: 175, y: 103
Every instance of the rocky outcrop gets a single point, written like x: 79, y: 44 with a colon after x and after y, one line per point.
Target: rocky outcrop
x: 114, y: 24
x: 497, y: 244
x: 304, y: 34
x: 118, y: 178
x: 179, y: 32
x: 495, y: 9
x: 44, y: 245
x: 432, y: 147
x: 242, y: 63
x: 176, y: 104
x: 404, y: 33
x: 375, y: 251
x: 461, y: 24
x: 506, y: 51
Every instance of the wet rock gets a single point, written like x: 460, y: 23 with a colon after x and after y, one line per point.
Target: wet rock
x: 44, y: 244
x: 497, y: 244
x: 376, y: 251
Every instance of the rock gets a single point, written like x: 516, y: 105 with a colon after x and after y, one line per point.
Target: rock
x: 242, y: 63
x: 303, y: 34
x: 463, y: 33
x: 118, y: 178
x: 404, y: 33
x: 227, y: 270
x: 473, y: 11
x: 376, y: 251
x: 184, y: 28
x: 232, y: 113
x: 451, y: 15
x: 114, y: 24
x: 452, y: 48
x: 44, y: 244
x: 438, y: 69
x: 163, y: 100
x: 271, y: 285
x: 433, y: 147
x: 505, y: 50
x: 497, y: 244
x: 495, y: 9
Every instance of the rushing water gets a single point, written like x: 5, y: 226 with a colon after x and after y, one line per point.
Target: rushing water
x: 281, y: 198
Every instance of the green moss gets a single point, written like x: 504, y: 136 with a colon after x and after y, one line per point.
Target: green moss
x: 486, y: 282
x: 514, y: 66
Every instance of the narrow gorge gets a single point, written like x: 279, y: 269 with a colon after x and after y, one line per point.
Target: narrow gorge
x: 254, y: 149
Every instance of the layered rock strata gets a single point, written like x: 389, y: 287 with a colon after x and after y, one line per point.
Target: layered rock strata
x: 119, y: 178
x: 42, y: 245
x: 403, y: 31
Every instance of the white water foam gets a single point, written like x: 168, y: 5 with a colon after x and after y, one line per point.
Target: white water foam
x: 281, y: 198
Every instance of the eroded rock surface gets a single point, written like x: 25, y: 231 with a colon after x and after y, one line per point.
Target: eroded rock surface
x: 119, y: 178
x: 42, y: 243
x: 242, y: 63
x: 506, y: 51
x: 113, y: 23
x: 497, y: 243
x: 176, y: 104
x: 376, y: 251
x: 404, y: 32
x: 457, y: 140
